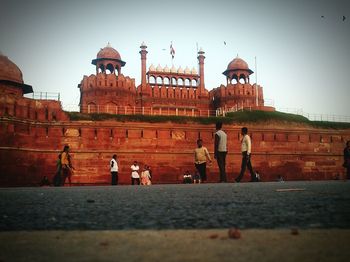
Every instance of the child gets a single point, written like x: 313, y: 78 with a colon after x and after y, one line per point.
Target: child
x: 196, y: 178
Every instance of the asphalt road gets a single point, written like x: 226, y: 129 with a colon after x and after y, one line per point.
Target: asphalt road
x: 324, y: 204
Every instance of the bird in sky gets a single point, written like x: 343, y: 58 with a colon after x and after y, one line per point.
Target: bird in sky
x: 344, y: 18
x: 224, y: 42
x: 322, y: 16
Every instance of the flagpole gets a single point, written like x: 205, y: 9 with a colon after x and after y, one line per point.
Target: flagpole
x: 256, y: 84
x: 197, y: 61
x: 172, y: 56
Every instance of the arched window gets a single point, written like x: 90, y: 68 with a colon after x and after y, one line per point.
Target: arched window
x: 187, y: 82
x: 242, y: 79
x: 180, y: 82
x: 234, y: 81
x: 173, y: 81
x: 109, y: 69
x: 193, y: 82
x: 152, y: 80
x: 101, y: 68
x: 166, y: 81
x: 159, y: 80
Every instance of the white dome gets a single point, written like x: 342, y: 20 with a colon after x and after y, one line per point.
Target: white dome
x: 173, y: 69
x: 166, y: 69
x: 159, y: 68
x: 152, y: 68
x: 180, y: 70
x: 187, y: 70
x: 193, y: 71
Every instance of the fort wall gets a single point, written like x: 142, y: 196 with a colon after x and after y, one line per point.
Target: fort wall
x: 29, y: 150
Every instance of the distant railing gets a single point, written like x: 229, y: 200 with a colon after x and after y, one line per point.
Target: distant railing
x: 192, y: 112
x: 44, y: 96
x: 241, y: 107
x: 137, y: 110
x: 316, y: 117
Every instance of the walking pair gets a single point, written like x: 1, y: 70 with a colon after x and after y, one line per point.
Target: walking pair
x: 220, y: 152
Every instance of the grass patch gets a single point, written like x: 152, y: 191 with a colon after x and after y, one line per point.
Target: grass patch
x: 231, y: 118
x: 75, y: 116
x: 263, y: 116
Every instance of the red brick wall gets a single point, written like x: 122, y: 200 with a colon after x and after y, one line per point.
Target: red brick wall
x: 28, y: 150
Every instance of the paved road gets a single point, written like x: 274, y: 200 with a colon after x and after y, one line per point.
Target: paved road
x: 323, y: 204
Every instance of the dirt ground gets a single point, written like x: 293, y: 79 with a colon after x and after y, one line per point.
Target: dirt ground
x: 176, y: 245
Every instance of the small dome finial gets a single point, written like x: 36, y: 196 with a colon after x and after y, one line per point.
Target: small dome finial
x: 143, y: 45
x: 109, y: 44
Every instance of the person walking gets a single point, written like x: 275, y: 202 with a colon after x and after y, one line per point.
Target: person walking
x: 114, y: 169
x: 246, y: 153
x: 66, y: 165
x: 57, y: 179
x: 201, y: 155
x: 220, y: 151
x: 347, y: 159
x: 135, y: 177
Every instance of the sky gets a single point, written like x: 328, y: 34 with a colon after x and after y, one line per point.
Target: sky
x: 301, y: 46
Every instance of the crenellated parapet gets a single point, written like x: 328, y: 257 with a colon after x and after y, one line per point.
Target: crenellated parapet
x: 238, y: 95
x: 106, y: 81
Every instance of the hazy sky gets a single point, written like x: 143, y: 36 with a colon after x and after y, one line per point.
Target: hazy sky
x: 303, y: 58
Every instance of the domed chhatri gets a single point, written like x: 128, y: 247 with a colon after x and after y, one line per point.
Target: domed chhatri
x: 236, y: 70
x: 238, y: 64
x: 108, y: 59
x: 108, y: 53
x: 9, y: 71
x: 11, y: 76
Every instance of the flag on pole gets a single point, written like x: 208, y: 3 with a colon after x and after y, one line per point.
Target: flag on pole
x: 172, y: 50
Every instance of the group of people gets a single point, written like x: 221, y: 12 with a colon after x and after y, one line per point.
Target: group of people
x: 188, y: 178
x: 64, y: 168
x: 145, y: 178
x: 201, y: 155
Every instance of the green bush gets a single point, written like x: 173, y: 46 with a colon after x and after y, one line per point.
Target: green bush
x: 234, y: 117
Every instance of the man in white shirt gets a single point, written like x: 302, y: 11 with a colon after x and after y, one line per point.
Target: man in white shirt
x: 246, y: 152
x: 114, y: 170
x: 220, y: 151
x: 135, y: 177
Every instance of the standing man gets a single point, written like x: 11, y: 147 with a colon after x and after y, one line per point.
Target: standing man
x: 220, y: 150
x: 347, y: 159
x: 135, y: 177
x: 114, y: 170
x: 246, y: 151
x: 201, y: 155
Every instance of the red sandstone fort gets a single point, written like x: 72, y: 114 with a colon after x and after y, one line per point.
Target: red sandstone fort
x: 33, y: 131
